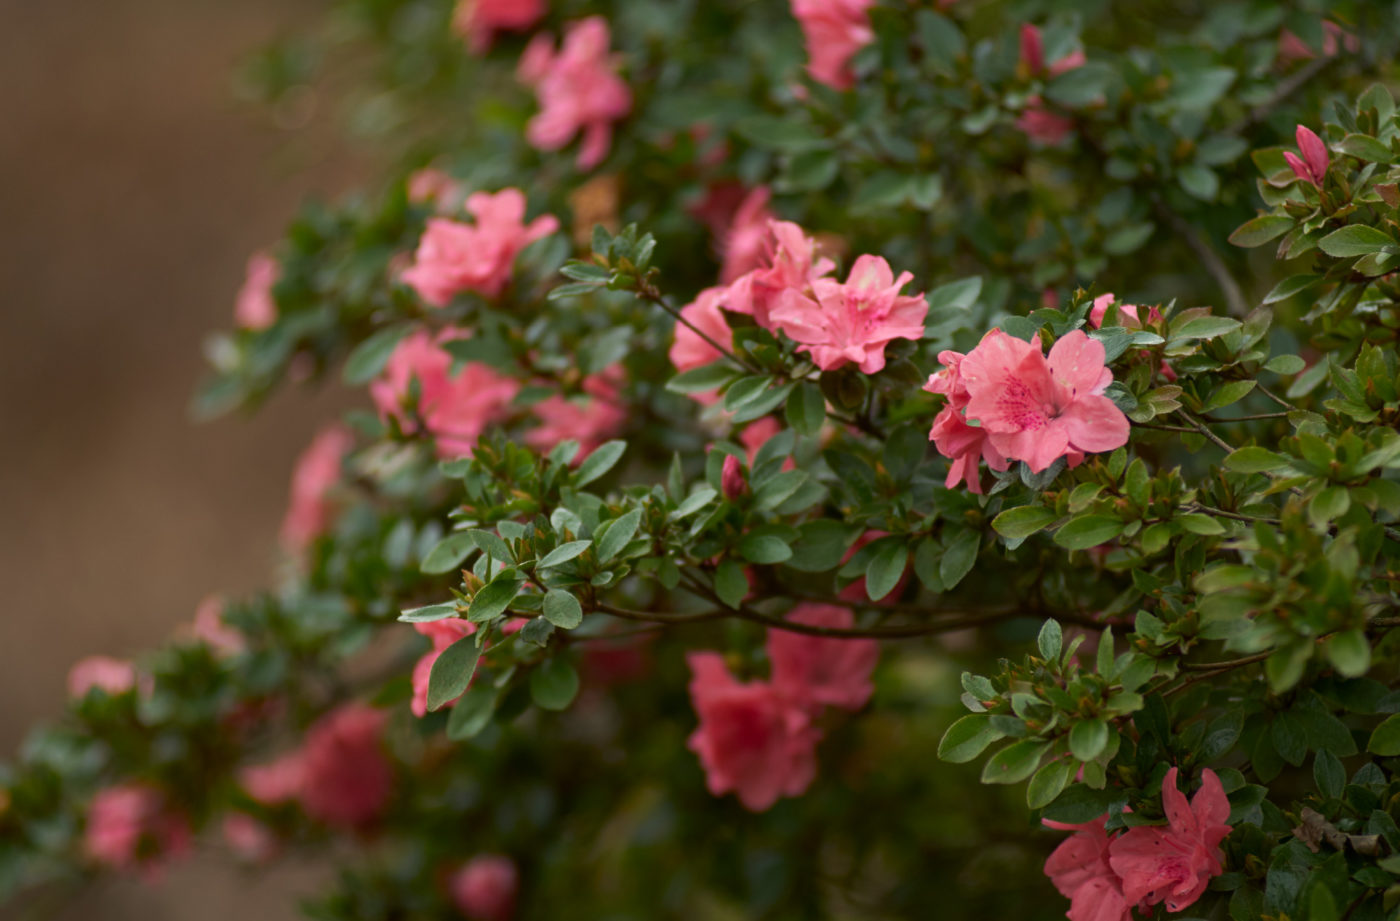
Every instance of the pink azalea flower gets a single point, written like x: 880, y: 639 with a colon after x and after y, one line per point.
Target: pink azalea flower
x: 456, y: 410
x: 1043, y: 126
x: 255, y: 307
x: 745, y: 239
x: 1312, y: 166
x: 433, y: 186
x: 1079, y: 869
x: 348, y: 777
x: 816, y: 671
x: 209, y: 628
x: 478, y: 21
x: 278, y: 781
x: 590, y: 420
x: 578, y: 90
x: 131, y: 827
x: 249, y: 839
x: 1036, y: 409
x: 790, y: 262
x: 835, y: 30
x: 963, y: 444
x: 453, y: 257
x: 443, y: 633
x: 1174, y: 864
x: 751, y: 740
x: 310, y: 510
x: 114, y: 676
x: 485, y: 889
x: 854, y: 321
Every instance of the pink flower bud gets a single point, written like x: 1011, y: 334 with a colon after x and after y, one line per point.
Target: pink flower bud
x: 1032, y: 50
x: 1313, y: 166
x: 732, y: 479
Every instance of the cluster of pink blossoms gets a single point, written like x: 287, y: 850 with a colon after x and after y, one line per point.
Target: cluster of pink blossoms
x: 758, y: 739
x: 132, y: 827
x: 310, y: 510
x: 453, y: 256
x: 578, y: 89
x: 791, y: 291
x: 340, y: 775
x: 455, y: 410
x: 1105, y: 877
x: 1025, y: 406
x: 590, y: 419
x: 478, y: 21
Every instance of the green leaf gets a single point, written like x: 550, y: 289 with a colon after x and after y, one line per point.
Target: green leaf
x: 452, y: 672
x: 1088, y: 739
x: 1088, y: 531
x: 585, y: 271
x: 1015, y: 762
x: 960, y: 294
x: 1232, y: 392
x: 746, y: 389
x: 619, y: 535
x: 603, y: 458
x: 776, y: 490
x: 702, y: 379
x: 1355, y: 240
x: 958, y: 558
x: 731, y: 583
x: 1328, y: 505
x: 788, y: 135
x: 764, y: 549
x: 562, y: 609
x: 1385, y: 741
x: 1253, y: 459
x: 1365, y: 148
x: 1206, y: 327
x: 1048, y: 783
x: 554, y: 685
x: 1050, y: 642
x: 806, y: 409
x: 822, y: 545
x: 701, y: 497
x: 432, y: 612
x: 1023, y: 521
x: 1350, y: 652
x: 1200, y: 524
x: 1080, y: 86
x: 448, y: 554
x: 1285, y: 364
x: 369, y: 357
x: 886, y: 568
x: 472, y: 713
x: 572, y: 290
x: 493, y: 598
x: 1261, y: 230
x: 1329, y: 774
x: 564, y: 552
x: 1199, y: 181
x: 1294, y: 284
x: 968, y: 737
x: 491, y: 545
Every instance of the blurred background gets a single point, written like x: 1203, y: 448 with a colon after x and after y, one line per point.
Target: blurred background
x: 133, y: 186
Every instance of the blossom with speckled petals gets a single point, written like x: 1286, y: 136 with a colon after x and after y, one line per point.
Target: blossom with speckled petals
x: 1079, y: 869
x: 1174, y: 864
x: 851, y: 322
x: 1036, y: 408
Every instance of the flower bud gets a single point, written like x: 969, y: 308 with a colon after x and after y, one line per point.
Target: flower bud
x: 732, y: 479
x: 1312, y: 166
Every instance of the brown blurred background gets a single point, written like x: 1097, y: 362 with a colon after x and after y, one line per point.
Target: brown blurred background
x: 132, y: 188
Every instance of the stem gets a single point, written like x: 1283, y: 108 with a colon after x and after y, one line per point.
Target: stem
x: 1234, y: 297
x: 654, y: 297
x: 1199, y: 427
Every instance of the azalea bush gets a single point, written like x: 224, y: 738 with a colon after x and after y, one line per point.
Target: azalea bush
x: 827, y: 459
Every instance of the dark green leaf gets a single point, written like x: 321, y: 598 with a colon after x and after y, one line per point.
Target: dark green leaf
x: 562, y: 609
x: 452, y: 672
x: 554, y: 685
x: 370, y: 356
x: 603, y: 458
x: 565, y: 552
x: 967, y: 738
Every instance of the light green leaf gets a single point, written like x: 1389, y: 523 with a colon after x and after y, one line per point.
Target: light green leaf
x: 1355, y: 240
x: 562, y: 609
x: 603, y: 458
x: 564, y: 553
x: 449, y: 553
x: 1023, y: 521
x: 967, y: 738
x: 452, y: 672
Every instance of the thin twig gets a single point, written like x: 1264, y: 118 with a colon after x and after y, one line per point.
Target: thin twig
x: 1285, y: 89
x: 654, y: 297
x: 1217, y: 269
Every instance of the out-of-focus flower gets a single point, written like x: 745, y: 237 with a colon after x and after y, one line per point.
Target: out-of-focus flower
x: 815, y: 671
x: 478, y: 21
x: 310, y: 510
x: 348, y: 777
x: 255, y: 307
x: 590, y: 420
x: 485, y: 888
x: 131, y: 827
x: 114, y: 676
x: 835, y: 30
x: 578, y: 90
